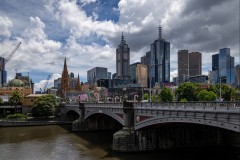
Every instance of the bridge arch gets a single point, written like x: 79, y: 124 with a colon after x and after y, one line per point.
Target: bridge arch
x: 72, y: 115
x: 108, y: 113
x: 209, y: 122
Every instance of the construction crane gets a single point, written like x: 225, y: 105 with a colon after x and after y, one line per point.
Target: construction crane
x: 46, y: 83
x: 12, y: 53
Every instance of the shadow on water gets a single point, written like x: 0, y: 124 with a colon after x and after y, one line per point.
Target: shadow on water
x: 103, y: 140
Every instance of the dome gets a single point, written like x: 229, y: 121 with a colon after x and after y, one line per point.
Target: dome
x: 16, y: 83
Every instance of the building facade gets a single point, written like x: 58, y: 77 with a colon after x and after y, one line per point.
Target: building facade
x: 123, y: 61
x: 195, y: 63
x: 142, y: 75
x: 223, y: 65
x: 95, y: 74
x: 183, y: 70
x: 146, y: 60
x: 160, y: 61
x: 189, y: 64
x: 3, y: 73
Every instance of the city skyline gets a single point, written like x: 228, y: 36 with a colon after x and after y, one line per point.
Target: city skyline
x: 49, y: 33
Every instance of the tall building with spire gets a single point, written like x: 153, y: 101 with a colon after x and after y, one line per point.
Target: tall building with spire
x: 160, y: 60
x: 64, y: 80
x: 123, y: 61
x: 78, y: 86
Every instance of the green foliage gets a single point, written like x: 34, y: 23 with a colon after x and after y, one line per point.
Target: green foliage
x: 44, y: 106
x: 226, y: 91
x: 188, y: 91
x: 183, y: 100
x: 15, y: 98
x: 205, y: 95
x: 146, y: 96
x: 17, y: 116
x: 166, y: 95
x: 1, y: 101
x: 236, y: 95
x: 156, y: 98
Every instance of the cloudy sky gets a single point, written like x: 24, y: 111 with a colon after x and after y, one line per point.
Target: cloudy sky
x: 87, y: 32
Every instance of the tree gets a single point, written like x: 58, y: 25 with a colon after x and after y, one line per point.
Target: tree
x: 166, y: 95
x: 15, y: 99
x: 1, y: 101
x: 156, y: 98
x: 146, y: 96
x: 226, y: 91
x: 44, y: 106
x: 205, y: 95
x: 188, y: 91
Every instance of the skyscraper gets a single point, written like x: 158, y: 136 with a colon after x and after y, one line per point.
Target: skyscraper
x: 189, y: 64
x: 195, y: 64
x: 223, y: 64
x: 183, y: 71
x: 123, y: 61
x: 160, y: 60
x: 146, y: 59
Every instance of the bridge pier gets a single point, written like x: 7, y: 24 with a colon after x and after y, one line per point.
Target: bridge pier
x: 129, y: 140
x: 79, y: 124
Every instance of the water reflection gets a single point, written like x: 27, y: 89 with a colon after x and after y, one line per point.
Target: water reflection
x: 59, y: 143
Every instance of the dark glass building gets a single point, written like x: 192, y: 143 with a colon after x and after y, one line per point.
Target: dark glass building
x: 160, y: 61
x: 95, y: 74
x: 223, y: 64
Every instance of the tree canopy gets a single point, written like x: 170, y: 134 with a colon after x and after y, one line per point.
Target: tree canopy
x: 15, y: 99
x: 166, y: 95
x: 44, y: 106
x: 187, y: 91
x: 205, y: 95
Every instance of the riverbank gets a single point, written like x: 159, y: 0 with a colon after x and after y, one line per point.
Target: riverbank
x: 12, y: 123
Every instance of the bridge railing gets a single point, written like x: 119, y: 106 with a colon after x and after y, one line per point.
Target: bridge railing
x: 107, y: 105
x: 235, y: 106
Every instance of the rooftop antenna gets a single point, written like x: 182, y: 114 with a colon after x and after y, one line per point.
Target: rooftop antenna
x: 122, y: 41
x: 160, y: 32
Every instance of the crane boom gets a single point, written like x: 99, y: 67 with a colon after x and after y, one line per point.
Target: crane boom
x: 12, y: 53
x: 46, y: 83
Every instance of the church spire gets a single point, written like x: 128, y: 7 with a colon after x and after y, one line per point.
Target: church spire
x: 64, y: 79
x: 78, y: 86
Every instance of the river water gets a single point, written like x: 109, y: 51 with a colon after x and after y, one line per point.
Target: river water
x: 59, y: 143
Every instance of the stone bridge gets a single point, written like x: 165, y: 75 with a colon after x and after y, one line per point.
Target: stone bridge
x: 151, y: 126
x: 218, y: 114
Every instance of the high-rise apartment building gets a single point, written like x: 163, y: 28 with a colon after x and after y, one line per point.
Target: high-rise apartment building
x: 142, y: 75
x: 195, y: 64
x: 189, y: 64
x: 223, y: 65
x: 183, y: 70
x: 146, y: 60
x: 123, y: 61
x: 160, y: 61
x: 139, y: 74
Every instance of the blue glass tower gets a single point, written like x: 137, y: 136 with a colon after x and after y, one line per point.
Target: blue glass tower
x: 160, y: 61
x: 223, y: 63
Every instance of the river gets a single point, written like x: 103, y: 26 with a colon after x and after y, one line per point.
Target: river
x: 55, y: 142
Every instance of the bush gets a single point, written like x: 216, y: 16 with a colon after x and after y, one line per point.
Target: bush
x: 17, y: 116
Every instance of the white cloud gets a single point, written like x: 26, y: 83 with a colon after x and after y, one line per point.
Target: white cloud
x: 5, y: 25
x: 46, y: 83
x: 139, y: 20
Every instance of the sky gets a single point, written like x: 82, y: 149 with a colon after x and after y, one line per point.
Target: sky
x: 87, y: 33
